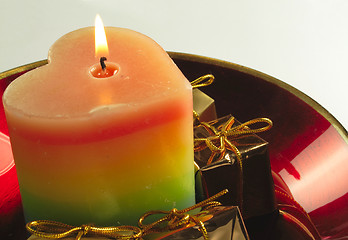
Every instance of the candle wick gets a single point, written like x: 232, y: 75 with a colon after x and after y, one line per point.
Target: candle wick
x: 102, y: 62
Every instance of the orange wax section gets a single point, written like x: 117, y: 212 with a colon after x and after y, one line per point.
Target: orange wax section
x: 102, y: 150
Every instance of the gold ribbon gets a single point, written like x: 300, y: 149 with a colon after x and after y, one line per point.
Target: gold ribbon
x: 202, y: 81
x: 175, y: 219
x: 220, y: 138
x: 57, y: 230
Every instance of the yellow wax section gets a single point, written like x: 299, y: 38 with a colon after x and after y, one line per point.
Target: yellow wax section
x: 102, y: 150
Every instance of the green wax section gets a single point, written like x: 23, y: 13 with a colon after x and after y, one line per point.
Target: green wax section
x: 108, y: 212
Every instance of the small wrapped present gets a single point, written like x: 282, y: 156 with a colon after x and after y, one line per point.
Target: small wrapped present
x: 221, y: 223
x: 230, y: 155
x: 203, y: 105
x: 205, y: 220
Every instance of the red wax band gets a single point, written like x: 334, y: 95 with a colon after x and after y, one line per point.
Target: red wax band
x: 98, y: 131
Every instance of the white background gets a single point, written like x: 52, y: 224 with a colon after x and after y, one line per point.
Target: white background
x: 301, y: 42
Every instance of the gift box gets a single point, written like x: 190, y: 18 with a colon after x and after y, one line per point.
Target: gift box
x: 221, y: 222
x: 230, y: 156
x: 203, y: 106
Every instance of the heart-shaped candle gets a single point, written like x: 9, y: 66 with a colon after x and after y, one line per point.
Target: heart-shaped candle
x: 97, y: 147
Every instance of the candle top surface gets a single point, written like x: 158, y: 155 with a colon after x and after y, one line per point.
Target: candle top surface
x: 65, y: 87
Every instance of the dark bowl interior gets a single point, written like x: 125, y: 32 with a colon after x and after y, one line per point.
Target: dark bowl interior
x: 308, y: 147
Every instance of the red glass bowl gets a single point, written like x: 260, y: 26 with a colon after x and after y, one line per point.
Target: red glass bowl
x: 308, y: 146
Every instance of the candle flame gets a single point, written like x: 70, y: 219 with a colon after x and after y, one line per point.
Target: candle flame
x: 101, y: 45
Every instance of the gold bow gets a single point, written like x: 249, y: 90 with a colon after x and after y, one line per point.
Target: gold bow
x: 174, y: 218
x: 220, y: 138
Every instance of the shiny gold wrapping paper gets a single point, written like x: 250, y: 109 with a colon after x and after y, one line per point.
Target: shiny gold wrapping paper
x: 204, y: 106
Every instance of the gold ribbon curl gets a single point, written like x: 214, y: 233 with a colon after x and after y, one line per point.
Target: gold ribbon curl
x: 175, y: 219
x: 202, y: 81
